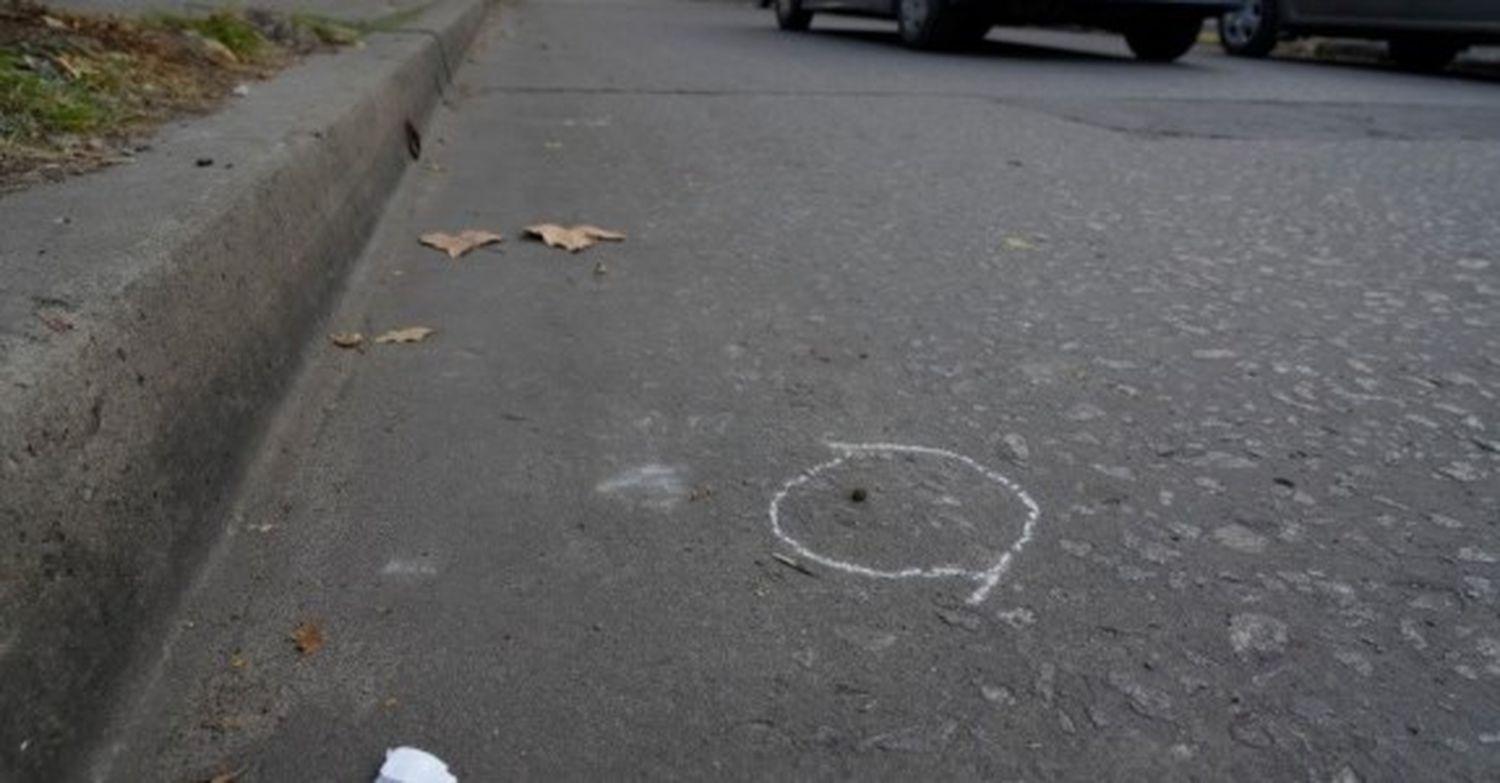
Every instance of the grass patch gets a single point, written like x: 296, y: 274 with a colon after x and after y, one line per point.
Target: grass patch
x: 327, y: 30
x: 394, y: 20
x: 67, y: 80
x: 229, y: 28
x: 36, y: 101
x: 76, y: 88
x: 342, y: 31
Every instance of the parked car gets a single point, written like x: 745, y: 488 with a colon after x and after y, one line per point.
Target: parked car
x: 1421, y: 34
x: 1156, y: 30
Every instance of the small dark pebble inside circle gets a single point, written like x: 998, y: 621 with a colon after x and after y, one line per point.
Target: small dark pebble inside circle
x: 858, y: 495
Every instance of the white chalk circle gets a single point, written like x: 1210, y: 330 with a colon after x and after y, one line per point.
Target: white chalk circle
x: 985, y: 578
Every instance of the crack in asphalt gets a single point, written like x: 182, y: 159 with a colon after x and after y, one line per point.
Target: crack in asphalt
x: 1214, y: 119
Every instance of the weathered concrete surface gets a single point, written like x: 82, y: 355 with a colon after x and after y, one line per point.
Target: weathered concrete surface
x: 1232, y: 326
x: 149, y: 315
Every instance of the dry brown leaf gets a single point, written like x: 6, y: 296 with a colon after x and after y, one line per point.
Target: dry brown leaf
x: 308, y: 637
x: 456, y: 245
x: 55, y: 322
x: 572, y: 238
x: 411, y: 334
x: 73, y: 71
x: 347, y: 339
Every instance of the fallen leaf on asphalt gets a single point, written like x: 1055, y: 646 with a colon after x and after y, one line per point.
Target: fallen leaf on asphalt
x: 411, y: 334
x: 456, y: 245
x: 572, y: 238
x: 308, y: 637
x: 1017, y: 243
x: 54, y: 322
x: 238, y: 662
x: 347, y: 339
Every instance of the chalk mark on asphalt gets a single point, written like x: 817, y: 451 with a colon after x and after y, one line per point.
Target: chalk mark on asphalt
x: 986, y: 579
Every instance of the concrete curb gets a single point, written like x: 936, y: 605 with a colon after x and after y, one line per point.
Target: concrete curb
x: 149, y: 318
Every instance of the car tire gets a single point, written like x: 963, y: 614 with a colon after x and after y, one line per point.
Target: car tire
x: 938, y: 24
x: 1251, y: 31
x: 1422, y: 53
x: 1163, y: 38
x: 790, y: 16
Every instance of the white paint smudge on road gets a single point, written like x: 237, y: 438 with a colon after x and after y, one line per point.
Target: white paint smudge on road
x: 658, y: 486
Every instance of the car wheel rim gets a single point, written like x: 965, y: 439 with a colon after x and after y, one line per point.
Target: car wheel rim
x: 913, y: 12
x: 1242, y: 25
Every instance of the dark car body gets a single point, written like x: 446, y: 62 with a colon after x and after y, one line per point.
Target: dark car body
x: 1421, y: 33
x: 1378, y: 18
x: 1159, y: 30
x: 1094, y: 13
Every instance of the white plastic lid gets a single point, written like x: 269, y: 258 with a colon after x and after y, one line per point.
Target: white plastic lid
x: 410, y: 765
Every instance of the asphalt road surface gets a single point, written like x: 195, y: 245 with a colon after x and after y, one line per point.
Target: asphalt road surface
x: 1024, y: 414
